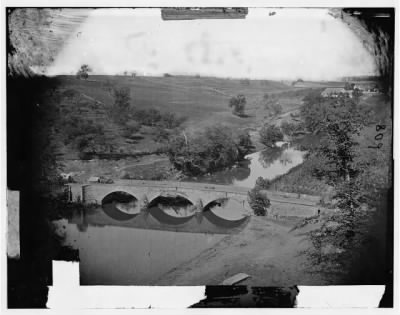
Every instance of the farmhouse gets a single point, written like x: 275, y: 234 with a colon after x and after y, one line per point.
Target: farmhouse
x: 335, y: 92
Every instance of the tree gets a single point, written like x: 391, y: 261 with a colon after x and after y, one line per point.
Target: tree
x: 360, y: 177
x: 121, y: 105
x: 258, y: 201
x: 215, y: 148
x: 339, y: 150
x: 342, y: 123
x: 263, y: 183
x: 270, y: 134
x: 357, y: 93
x: 238, y: 103
x: 243, y: 143
x: 83, y: 72
x: 314, y: 110
x: 349, y: 86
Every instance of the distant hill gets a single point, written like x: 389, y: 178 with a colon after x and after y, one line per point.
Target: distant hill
x: 361, y: 78
x: 188, y: 96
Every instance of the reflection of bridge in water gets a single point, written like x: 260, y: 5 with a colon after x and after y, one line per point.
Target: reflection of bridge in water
x: 157, y: 219
x: 199, y: 194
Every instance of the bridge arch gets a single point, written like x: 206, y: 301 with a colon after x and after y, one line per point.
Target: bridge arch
x: 170, y: 194
x: 173, y: 203
x: 228, y: 208
x: 120, y: 205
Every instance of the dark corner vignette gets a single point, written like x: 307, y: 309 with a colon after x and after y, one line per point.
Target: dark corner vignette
x: 33, y: 169
x: 30, y: 159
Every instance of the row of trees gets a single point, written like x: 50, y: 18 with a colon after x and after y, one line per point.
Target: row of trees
x: 358, y: 174
x: 271, y: 102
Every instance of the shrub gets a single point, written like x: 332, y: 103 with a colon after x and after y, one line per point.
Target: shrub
x: 270, y: 134
x: 238, y: 103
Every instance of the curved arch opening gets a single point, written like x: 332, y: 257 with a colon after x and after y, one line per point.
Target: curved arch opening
x: 226, y: 209
x: 224, y: 223
x: 174, y: 206
x: 120, y: 205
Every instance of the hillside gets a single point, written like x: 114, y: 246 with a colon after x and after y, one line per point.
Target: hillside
x: 193, y: 97
x: 203, y: 101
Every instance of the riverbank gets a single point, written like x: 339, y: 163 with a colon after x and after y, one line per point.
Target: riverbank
x: 266, y: 249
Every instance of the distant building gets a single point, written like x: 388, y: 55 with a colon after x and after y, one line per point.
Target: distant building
x: 335, y: 92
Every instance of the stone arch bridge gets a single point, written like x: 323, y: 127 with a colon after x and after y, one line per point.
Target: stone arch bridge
x: 199, y: 194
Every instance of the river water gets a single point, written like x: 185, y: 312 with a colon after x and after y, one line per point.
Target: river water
x: 117, y: 255
x: 268, y: 164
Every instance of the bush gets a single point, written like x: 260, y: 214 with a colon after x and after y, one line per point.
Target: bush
x: 153, y: 117
x: 258, y: 201
x: 270, y: 134
x: 238, y: 103
x: 74, y: 126
x: 262, y: 183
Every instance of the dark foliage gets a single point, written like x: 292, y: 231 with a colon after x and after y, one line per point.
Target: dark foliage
x: 258, y: 201
x: 83, y: 72
x: 215, y: 148
x: 121, y: 106
x: 270, y: 134
x: 154, y: 117
x: 238, y: 104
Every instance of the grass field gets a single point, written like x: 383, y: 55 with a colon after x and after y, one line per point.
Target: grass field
x: 203, y: 100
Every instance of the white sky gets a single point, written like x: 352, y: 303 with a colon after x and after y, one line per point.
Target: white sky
x: 293, y: 43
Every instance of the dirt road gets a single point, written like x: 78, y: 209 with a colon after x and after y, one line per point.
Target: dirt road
x: 265, y: 250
